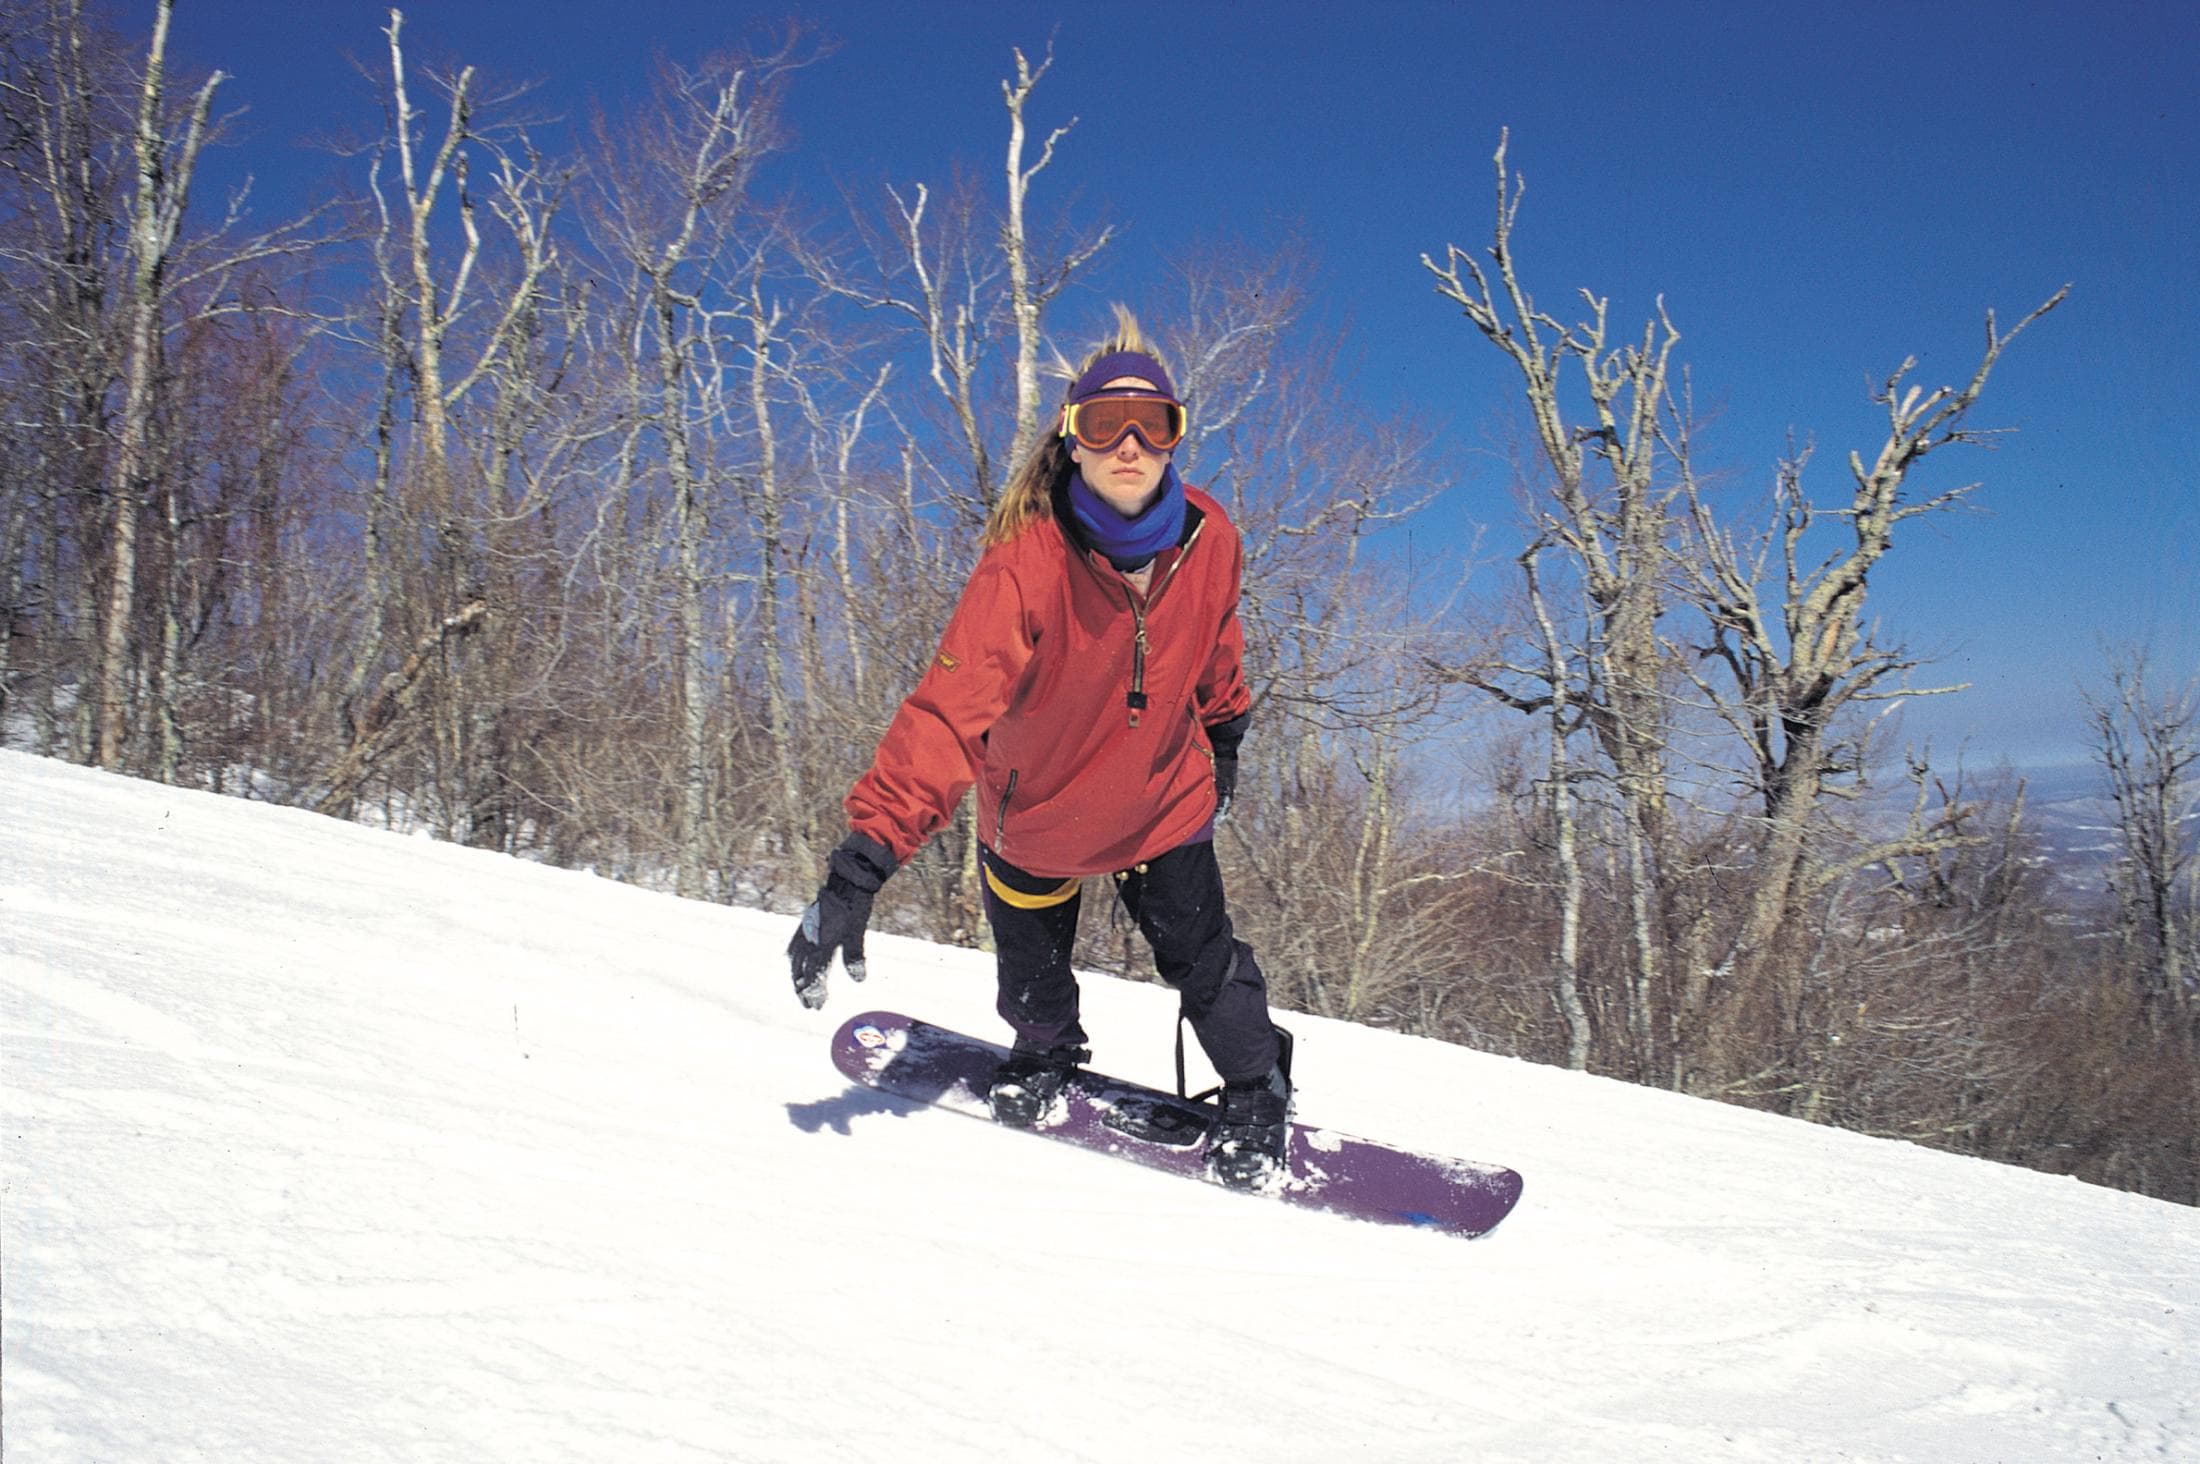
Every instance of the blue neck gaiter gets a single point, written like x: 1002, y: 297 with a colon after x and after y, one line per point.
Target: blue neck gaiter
x: 1130, y: 543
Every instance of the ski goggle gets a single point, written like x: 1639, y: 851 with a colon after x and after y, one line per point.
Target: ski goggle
x: 1099, y: 423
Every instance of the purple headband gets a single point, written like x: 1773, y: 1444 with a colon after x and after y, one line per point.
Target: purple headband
x: 1120, y: 363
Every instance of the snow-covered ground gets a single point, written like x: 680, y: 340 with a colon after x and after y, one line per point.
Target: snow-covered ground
x: 330, y: 1144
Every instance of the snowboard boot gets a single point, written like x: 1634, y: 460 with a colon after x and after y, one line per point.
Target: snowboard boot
x: 1247, y: 1149
x: 1025, y: 1086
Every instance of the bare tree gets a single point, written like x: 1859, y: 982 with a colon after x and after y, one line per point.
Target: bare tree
x: 1795, y: 663
x: 671, y: 201
x: 942, y: 275
x: 425, y: 302
x: 1639, y: 542
x: 103, y: 280
x: 113, y: 307
x: 65, y: 177
x: 165, y: 168
x: 1611, y: 513
x: 2148, y: 746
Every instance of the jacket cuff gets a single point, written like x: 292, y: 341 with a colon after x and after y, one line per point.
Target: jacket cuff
x: 864, y: 862
x: 1224, y: 737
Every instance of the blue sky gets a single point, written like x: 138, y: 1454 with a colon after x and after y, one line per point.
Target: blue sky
x: 1817, y: 191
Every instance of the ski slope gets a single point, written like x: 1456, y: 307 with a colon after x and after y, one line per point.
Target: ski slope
x: 322, y: 1143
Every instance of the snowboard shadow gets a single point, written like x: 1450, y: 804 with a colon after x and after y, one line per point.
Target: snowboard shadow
x: 839, y: 1113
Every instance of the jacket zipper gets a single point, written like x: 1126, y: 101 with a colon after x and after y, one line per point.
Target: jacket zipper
x: 1000, y: 821
x: 1136, y: 699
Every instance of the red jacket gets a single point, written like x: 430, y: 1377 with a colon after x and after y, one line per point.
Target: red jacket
x: 1089, y: 752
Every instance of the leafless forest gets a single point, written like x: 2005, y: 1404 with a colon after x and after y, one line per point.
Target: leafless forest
x: 555, y: 491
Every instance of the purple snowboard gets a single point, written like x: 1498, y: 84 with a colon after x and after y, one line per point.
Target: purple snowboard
x: 1329, y: 1171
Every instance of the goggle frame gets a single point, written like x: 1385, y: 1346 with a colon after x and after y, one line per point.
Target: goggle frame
x: 1179, y: 419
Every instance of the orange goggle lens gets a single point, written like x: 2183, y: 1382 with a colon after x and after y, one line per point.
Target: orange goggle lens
x: 1099, y: 424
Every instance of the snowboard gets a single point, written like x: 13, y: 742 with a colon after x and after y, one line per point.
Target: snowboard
x: 1327, y: 1170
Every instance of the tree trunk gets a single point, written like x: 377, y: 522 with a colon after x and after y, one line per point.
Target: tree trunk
x: 1022, y: 307
x: 690, y: 528
x: 778, y: 708
x: 154, y: 199
x: 168, y: 682
x: 1566, y: 959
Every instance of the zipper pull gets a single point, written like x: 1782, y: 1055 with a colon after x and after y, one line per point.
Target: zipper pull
x: 1135, y: 699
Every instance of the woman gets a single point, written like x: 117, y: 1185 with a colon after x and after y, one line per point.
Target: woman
x: 1090, y: 685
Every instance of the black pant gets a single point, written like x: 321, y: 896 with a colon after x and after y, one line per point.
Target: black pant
x: 1177, y: 901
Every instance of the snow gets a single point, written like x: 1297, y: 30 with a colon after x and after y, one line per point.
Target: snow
x: 326, y: 1143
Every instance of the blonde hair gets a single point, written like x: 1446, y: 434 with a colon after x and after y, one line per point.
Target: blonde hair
x: 1029, y: 496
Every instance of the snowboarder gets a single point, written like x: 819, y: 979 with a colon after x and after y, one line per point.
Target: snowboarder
x: 1090, y: 685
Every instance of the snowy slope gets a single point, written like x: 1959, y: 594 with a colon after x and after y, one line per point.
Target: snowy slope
x: 328, y: 1144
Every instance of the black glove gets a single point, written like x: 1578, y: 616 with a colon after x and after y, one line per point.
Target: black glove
x: 836, y: 919
x: 1224, y: 737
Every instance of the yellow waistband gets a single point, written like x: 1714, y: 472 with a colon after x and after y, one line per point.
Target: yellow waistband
x: 1043, y: 901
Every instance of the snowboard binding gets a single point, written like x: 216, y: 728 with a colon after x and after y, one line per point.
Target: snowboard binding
x: 1027, y: 1085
